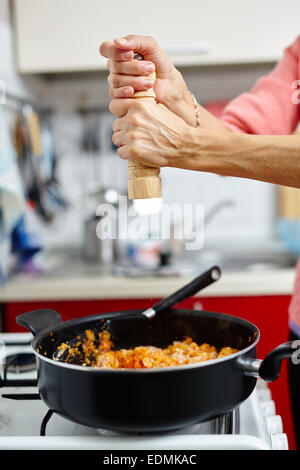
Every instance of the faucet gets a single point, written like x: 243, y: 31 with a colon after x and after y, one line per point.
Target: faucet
x: 217, y: 208
x: 175, y: 249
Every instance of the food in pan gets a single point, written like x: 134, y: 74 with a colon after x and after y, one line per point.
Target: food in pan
x: 95, y: 350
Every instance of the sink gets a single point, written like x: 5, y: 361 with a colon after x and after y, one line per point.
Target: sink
x: 258, y: 259
x: 187, y: 267
x: 271, y: 256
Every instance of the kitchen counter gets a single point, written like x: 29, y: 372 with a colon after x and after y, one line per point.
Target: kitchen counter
x: 103, y: 286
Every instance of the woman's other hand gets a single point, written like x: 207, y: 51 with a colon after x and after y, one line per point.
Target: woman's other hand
x: 149, y: 133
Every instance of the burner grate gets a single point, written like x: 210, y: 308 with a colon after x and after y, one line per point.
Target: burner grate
x: 228, y: 423
x: 45, y: 421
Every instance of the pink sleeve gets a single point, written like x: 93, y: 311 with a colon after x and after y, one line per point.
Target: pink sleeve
x: 268, y: 108
x: 294, y: 308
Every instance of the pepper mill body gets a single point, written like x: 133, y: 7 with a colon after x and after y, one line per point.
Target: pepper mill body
x: 143, y: 181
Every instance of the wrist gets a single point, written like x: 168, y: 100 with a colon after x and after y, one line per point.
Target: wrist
x: 179, y: 100
x: 204, y: 150
x: 187, y: 149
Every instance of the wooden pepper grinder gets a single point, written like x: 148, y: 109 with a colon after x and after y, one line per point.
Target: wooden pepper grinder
x: 143, y: 181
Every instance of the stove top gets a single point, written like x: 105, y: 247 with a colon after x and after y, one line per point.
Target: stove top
x: 27, y: 423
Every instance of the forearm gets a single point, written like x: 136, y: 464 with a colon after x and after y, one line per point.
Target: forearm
x: 273, y: 159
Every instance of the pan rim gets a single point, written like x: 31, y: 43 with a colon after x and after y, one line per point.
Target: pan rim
x: 147, y: 370
x: 153, y: 369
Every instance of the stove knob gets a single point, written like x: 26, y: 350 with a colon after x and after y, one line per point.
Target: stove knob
x: 274, y: 424
x: 268, y: 408
x: 279, y: 442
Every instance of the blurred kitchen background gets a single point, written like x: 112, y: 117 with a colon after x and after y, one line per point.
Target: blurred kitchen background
x: 55, y: 120
x: 57, y: 164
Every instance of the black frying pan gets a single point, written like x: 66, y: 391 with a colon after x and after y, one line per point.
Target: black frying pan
x: 151, y: 400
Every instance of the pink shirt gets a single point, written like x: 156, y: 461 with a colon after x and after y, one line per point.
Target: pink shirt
x: 272, y: 108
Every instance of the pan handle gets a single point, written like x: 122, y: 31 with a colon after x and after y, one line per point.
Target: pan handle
x: 268, y: 369
x: 38, y: 320
x: 200, y: 282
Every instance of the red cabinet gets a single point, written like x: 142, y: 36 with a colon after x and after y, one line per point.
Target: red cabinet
x: 268, y: 313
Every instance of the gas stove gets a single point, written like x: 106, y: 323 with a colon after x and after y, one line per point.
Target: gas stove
x: 27, y: 424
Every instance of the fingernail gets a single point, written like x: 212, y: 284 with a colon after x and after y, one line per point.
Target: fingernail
x: 147, y: 83
x: 127, y: 91
x: 127, y: 55
x: 149, y: 68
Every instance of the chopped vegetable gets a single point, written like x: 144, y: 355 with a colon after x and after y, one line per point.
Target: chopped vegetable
x: 96, y: 351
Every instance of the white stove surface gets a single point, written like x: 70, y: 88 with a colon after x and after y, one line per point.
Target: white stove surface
x: 20, y: 422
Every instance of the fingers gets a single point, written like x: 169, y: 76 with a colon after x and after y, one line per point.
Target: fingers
x: 119, y: 107
x: 145, y: 45
x: 117, y: 125
x: 137, y: 83
x: 122, y: 49
x: 149, y: 49
x: 118, y: 138
x: 127, y: 77
x: 124, y: 152
x: 109, y: 50
x: 132, y: 67
x: 122, y: 92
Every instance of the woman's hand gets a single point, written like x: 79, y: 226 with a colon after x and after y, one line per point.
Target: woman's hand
x: 154, y: 136
x: 149, y: 133
x: 128, y: 75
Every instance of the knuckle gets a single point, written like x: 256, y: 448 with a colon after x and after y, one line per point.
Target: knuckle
x: 135, y: 119
x: 115, y: 66
x: 121, y: 153
x: 115, y: 80
x: 132, y: 135
x: 118, y: 66
x: 112, y: 107
x: 114, y: 139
